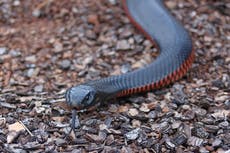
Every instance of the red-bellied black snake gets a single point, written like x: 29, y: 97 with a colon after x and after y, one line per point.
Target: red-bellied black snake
x: 176, y: 57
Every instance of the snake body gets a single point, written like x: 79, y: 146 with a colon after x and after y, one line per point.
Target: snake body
x: 176, y: 57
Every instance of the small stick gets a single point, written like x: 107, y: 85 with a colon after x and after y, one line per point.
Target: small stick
x: 26, y: 128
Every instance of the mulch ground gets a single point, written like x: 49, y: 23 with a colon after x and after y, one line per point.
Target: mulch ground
x: 47, y: 46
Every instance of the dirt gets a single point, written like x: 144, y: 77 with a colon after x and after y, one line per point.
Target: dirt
x: 47, y: 46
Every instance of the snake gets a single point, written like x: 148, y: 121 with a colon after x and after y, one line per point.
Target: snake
x: 176, y: 56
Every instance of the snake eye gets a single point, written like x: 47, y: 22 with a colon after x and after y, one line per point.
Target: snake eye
x: 87, y: 97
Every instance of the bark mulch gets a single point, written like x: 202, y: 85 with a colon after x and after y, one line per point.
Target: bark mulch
x: 47, y: 46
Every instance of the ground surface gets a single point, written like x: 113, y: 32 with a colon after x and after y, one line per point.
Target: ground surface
x: 47, y: 46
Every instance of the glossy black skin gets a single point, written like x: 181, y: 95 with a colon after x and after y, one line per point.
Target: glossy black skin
x: 173, y: 42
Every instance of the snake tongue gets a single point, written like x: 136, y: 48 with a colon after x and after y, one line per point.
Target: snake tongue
x: 74, y: 114
x: 73, y: 123
x: 75, y: 118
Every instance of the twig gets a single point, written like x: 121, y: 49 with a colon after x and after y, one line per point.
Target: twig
x: 26, y: 128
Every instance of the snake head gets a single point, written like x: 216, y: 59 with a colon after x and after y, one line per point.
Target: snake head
x: 81, y: 96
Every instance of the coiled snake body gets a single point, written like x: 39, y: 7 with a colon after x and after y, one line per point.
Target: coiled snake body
x: 176, y: 57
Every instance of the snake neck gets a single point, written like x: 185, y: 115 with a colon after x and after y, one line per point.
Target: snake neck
x: 105, y: 88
